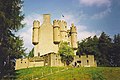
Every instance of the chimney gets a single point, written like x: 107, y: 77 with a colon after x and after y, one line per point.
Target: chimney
x: 46, y: 18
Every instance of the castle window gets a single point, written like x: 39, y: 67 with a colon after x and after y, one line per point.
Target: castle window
x: 78, y: 61
x: 21, y: 62
x: 25, y: 62
x: 38, y: 54
x: 87, y: 62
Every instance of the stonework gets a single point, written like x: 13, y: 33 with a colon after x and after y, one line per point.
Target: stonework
x: 85, y: 61
x: 50, y: 59
x: 46, y: 38
x: 27, y: 63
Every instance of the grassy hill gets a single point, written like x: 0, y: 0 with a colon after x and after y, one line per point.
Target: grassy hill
x: 63, y: 73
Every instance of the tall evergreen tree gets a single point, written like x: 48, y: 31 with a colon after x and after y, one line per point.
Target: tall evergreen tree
x: 89, y: 46
x: 11, y: 46
x: 104, y: 47
x: 105, y: 50
x: 115, y: 53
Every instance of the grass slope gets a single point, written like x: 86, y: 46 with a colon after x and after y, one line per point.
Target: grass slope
x: 62, y: 73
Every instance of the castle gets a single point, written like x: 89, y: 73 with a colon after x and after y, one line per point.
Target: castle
x: 46, y: 39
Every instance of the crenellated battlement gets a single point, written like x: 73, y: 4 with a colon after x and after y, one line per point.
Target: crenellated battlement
x: 56, y: 23
x: 73, y: 28
x: 63, y: 25
x: 60, y: 23
x: 36, y: 24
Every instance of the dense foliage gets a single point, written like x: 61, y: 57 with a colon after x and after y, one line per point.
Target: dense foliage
x: 105, y: 49
x: 66, y: 53
x: 11, y: 46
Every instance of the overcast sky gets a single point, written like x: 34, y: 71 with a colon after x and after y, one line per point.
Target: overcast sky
x: 91, y: 17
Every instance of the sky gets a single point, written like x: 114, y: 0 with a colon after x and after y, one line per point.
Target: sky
x: 91, y: 17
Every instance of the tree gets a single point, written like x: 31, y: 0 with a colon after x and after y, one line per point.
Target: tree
x: 115, y: 51
x: 99, y: 47
x: 11, y: 46
x: 89, y: 46
x: 31, y: 54
x: 105, y: 49
x: 66, y: 53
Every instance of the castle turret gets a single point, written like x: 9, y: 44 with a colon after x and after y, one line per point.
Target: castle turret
x: 36, y: 25
x: 73, y: 37
x: 63, y: 30
x: 56, y: 32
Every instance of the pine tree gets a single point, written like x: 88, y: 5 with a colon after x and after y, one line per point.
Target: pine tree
x: 115, y: 53
x: 104, y: 48
x: 11, y: 46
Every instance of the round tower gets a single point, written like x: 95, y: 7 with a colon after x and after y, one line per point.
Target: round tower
x: 63, y: 30
x: 56, y: 32
x: 36, y: 25
x: 66, y: 34
x: 73, y: 37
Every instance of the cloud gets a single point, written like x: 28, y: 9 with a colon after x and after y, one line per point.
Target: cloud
x: 102, y: 4
x: 26, y: 32
x: 30, y: 18
x: 85, y: 34
x: 26, y: 35
x: 69, y: 19
x: 95, y: 2
x: 101, y: 14
x: 81, y: 29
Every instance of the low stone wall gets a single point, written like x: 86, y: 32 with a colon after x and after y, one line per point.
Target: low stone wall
x: 53, y: 59
x: 85, y: 61
x: 50, y: 59
x: 26, y: 63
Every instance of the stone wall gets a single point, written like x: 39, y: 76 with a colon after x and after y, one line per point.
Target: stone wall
x: 53, y: 59
x: 50, y: 59
x: 26, y: 63
x: 85, y: 61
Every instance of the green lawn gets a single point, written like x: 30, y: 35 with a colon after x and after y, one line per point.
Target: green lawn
x: 62, y: 73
